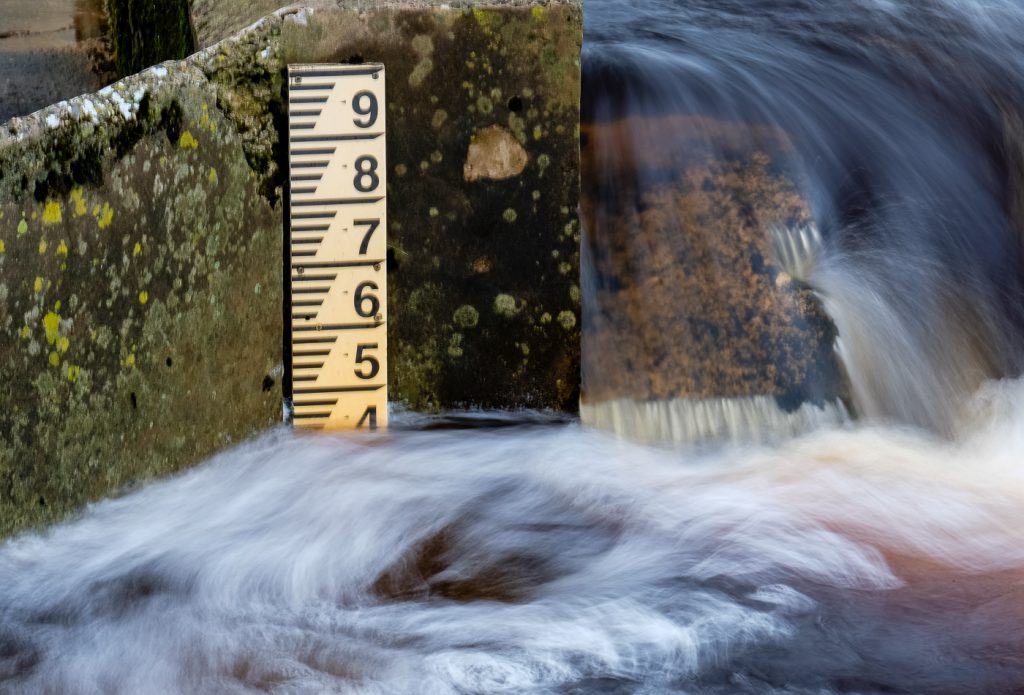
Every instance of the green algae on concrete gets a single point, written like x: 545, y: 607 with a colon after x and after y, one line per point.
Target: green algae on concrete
x: 140, y: 243
x: 139, y: 297
x: 483, y: 127
x: 483, y: 114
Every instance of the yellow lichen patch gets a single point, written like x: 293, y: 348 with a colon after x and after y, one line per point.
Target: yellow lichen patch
x: 212, y: 177
x: 143, y: 297
x: 187, y: 141
x: 538, y: 13
x: 54, y: 359
x: 23, y: 227
x: 78, y: 201
x: 422, y: 44
x: 26, y: 332
x: 104, y: 216
x: 489, y: 21
x: 51, y: 213
x: 3, y: 247
x: 38, y: 284
x: 421, y: 72
x: 137, y: 250
x: 129, y: 361
x: 62, y: 249
x: 42, y: 246
x: 481, y: 18
x: 62, y: 344
x: 72, y: 372
x: 51, y: 324
x: 567, y: 319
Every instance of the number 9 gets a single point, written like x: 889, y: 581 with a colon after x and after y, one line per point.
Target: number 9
x: 361, y: 107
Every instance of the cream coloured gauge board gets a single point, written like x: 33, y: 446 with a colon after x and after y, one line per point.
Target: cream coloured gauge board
x: 337, y: 246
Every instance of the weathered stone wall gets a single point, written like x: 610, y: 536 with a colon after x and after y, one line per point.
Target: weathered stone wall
x: 139, y: 294
x: 483, y: 232
x: 141, y: 241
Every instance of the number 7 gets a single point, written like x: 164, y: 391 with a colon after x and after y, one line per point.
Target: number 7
x: 372, y: 227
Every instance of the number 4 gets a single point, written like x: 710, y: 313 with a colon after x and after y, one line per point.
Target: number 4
x: 369, y: 416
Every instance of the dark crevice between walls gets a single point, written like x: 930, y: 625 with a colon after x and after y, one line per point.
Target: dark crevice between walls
x: 147, y: 32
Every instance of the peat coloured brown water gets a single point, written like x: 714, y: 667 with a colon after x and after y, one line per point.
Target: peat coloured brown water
x: 867, y: 544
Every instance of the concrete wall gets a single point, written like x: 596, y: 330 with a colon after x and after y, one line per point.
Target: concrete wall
x: 140, y: 242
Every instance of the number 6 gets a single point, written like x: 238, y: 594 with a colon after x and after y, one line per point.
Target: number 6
x: 361, y: 299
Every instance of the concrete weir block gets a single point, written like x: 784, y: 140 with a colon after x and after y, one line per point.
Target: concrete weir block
x: 141, y: 240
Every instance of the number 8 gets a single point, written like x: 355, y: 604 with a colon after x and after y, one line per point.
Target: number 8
x: 366, y: 167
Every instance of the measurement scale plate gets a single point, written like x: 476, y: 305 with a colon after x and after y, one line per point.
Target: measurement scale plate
x: 337, y: 246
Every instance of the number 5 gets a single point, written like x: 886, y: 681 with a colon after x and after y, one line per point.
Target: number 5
x: 366, y: 359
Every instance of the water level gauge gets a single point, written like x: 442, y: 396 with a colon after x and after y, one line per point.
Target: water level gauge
x: 337, y: 246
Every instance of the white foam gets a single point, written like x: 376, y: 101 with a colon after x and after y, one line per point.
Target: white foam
x: 348, y: 564
x: 692, y: 421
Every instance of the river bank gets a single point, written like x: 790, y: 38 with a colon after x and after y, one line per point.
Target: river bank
x: 50, y: 50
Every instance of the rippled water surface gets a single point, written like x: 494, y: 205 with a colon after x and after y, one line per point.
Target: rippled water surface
x: 495, y: 553
x: 541, y: 558
x: 898, y: 122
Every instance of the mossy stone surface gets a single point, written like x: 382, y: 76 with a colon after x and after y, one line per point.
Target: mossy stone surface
x: 459, y: 240
x: 141, y: 243
x: 140, y: 295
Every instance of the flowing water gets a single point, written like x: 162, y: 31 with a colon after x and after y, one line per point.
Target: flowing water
x: 499, y: 553
x: 900, y: 124
x: 541, y: 558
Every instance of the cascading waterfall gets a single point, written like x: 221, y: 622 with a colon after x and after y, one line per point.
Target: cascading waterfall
x: 770, y: 184
x: 897, y: 124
